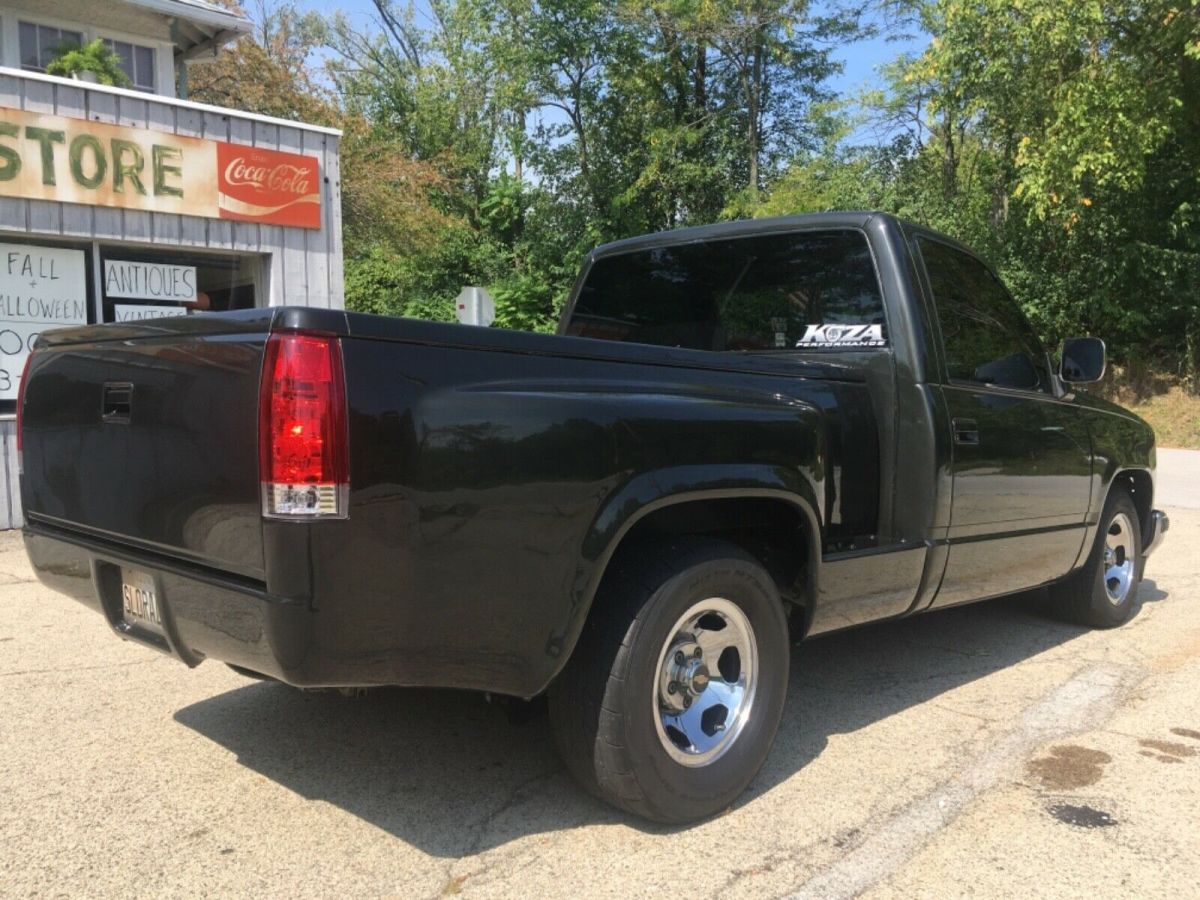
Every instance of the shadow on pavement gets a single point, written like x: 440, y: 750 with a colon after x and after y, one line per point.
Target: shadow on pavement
x: 446, y: 772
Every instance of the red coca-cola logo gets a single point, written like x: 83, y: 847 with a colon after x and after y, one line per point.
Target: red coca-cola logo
x: 258, y: 185
x: 282, y: 177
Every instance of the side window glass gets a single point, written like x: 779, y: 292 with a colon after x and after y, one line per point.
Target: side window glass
x: 987, y: 338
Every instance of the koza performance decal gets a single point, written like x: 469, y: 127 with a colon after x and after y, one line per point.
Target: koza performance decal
x: 843, y: 337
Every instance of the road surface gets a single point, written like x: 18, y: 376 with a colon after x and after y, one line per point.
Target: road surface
x: 983, y: 750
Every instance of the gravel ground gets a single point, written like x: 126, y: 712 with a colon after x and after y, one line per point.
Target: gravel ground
x: 982, y: 751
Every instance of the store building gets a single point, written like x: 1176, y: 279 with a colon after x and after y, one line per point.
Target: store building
x: 133, y: 203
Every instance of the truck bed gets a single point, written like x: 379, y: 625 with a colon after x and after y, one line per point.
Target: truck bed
x: 488, y: 470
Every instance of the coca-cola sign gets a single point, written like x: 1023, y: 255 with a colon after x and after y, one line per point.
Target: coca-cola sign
x: 258, y: 185
x: 66, y: 160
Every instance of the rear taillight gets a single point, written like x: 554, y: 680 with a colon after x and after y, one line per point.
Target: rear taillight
x: 21, y: 415
x: 302, y: 428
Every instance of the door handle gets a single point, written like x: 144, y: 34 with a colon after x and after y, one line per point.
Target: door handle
x: 116, y: 404
x: 966, y: 431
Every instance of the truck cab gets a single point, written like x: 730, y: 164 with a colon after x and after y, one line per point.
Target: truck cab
x: 985, y: 478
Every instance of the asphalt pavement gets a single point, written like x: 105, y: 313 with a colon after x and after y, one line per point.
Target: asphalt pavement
x: 984, y: 751
x: 1179, y: 477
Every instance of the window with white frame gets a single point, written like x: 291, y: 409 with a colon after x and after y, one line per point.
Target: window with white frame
x: 42, y: 43
x: 136, y: 61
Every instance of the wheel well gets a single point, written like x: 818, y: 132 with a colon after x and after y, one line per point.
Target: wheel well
x: 1141, y: 490
x: 772, y: 531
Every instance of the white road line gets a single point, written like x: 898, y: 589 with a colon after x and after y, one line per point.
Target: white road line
x: 1088, y: 698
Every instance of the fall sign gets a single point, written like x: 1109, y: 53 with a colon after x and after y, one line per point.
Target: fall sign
x: 93, y: 163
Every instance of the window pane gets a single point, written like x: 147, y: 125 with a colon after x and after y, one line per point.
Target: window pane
x: 48, y: 44
x: 793, y: 287
x: 144, y: 59
x: 987, y: 338
x: 759, y: 293
x: 48, y: 40
x: 29, y: 46
x: 124, y: 52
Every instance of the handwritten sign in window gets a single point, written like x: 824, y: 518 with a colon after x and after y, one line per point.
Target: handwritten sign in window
x: 137, y: 313
x: 40, y: 288
x: 149, y: 281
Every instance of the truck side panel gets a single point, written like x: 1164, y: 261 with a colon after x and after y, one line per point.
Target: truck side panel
x: 488, y: 487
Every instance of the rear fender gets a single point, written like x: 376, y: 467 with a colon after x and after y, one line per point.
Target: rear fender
x: 651, y: 491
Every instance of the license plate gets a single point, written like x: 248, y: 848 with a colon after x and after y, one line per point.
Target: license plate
x: 139, y: 601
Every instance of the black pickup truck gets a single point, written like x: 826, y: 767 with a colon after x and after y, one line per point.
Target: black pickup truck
x: 743, y: 435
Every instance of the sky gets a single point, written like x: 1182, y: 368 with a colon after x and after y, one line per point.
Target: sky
x: 861, y: 60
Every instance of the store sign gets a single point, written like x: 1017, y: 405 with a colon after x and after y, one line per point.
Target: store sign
x: 131, y: 312
x: 78, y: 161
x: 149, y: 281
x: 40, y: 288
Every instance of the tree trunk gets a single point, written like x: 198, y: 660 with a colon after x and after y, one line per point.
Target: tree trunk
x: 949, y: 158
x: 753, y: 132
x: 518, y: 158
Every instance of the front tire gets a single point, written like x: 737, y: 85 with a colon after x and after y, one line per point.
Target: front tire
x: 672, y: 697
x: 1103, y: 594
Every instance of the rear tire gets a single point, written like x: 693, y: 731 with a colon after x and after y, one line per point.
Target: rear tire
x: 672, y: 697
x: 1103, y: 593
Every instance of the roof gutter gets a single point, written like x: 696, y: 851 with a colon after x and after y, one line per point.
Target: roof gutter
x: 201, y: 15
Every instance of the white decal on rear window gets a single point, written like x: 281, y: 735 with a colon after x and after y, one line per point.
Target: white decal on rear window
x: 843, y: 337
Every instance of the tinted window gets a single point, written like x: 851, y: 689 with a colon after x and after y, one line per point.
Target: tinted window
x: 39, y: 44
x: 760, y: 293
x: 136, y: 62
x: 986, y: 336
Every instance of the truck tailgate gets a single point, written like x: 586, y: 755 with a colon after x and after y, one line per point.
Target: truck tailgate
x: 148, y: 436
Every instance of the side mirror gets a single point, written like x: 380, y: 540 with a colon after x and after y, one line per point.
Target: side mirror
x: 1083, y: 360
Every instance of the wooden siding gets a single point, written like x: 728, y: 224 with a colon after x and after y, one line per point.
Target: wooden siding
x: 305, y: 266
x: 10, y: 503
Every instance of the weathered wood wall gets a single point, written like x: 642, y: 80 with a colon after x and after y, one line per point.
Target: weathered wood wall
x: 10, y: 502
x: 306, y: 264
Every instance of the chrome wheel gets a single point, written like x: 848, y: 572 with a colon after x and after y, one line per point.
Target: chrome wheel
x: 1120, y: 549
x: 706, y: 681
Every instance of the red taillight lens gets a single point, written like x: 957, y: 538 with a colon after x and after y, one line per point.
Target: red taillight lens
x: 21, y: 415
x: 302, y: 427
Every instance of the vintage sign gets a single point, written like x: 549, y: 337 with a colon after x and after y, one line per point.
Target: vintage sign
x: 268, y: 186
x: 149, y: 281
x: 79, y: 161
x: 132, y: 312
x: 40, y: 288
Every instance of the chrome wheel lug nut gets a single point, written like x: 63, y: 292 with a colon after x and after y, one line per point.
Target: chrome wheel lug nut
x: 687, y: 701
x: 698, y: 653
x: 672, y: 688
x: 679, y: 657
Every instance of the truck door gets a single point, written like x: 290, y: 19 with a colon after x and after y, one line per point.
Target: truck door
x: 1021, y: 459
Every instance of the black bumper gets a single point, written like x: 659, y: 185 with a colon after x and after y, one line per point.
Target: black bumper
x: 205, y: 614
x: 1157, y: 528
x: 335, y: 634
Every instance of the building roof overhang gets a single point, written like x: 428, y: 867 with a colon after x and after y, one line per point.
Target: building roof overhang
x: 198, y: 28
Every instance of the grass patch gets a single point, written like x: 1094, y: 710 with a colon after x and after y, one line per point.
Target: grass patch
x: 1174, y: 416
x: 1164, y: 401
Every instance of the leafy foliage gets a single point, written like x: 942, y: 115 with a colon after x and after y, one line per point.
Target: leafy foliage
x: 1061, y: 140
x: 94, y: 58
x: 494, y: 142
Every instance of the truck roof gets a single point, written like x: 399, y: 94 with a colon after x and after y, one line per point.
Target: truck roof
x: 740, y: 228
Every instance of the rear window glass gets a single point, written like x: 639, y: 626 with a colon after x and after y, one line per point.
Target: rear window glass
x: 808, y: 290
